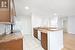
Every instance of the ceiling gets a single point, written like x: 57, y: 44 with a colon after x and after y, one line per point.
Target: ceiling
x: 45, y: 7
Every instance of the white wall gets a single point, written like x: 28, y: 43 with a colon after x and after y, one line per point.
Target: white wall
x: 24, y: 24
x: 71, y: 25
x: 65, y: 24
x: 38, y: 21
x: 53, y: 21
x: 23, y: 16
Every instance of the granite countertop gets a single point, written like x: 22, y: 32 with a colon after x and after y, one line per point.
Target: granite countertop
x: 46, y: 29
x: 6, y: 23
x: 9, y: 37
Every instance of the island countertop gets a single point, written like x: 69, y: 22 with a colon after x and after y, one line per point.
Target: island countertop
x: 46, y: 29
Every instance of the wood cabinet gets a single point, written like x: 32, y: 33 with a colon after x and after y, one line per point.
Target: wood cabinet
x: 12, y: 45
x: 6, y: 11
x: 44, y: 40
x: 35, y: 32
x: 42, y: 37
x: 4, y: 16
x: 11, y: 41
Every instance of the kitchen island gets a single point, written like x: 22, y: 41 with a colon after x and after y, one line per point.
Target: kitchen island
x: 51, y: 38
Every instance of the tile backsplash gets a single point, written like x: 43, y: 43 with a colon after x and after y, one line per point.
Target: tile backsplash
x: 4, y: 29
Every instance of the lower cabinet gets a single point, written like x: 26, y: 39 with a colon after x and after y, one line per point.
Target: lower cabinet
x: 12, y: 45
x: 44, y: 40
x: 35, y: 33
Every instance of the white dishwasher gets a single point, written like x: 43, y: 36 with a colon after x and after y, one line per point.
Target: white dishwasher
x: 39, y: 35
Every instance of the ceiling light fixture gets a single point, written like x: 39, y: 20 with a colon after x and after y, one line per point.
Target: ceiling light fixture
x: 26, y: 7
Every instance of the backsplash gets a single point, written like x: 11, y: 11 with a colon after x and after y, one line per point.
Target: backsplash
x: 4, y: 29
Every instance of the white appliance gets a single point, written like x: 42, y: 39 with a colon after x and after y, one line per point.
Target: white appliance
x: 39, y: 35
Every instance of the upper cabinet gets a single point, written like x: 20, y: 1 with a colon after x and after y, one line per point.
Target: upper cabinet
x: 7, y: 10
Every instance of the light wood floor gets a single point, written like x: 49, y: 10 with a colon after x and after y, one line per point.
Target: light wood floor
x: 69, y: 42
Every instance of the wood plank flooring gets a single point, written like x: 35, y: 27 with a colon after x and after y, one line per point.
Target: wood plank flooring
x: 69, y: 41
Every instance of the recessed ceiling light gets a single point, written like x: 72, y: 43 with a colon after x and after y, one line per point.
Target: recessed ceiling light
x: 26, y: 7
x: 55, y: 14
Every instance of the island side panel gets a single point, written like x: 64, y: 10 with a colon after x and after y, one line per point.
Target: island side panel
x: 55, y: 40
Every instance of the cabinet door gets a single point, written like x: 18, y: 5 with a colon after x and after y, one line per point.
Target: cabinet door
x: 4, y: 11
x: 12, y: 45
x: 4, y: 16
x: 44, y: 40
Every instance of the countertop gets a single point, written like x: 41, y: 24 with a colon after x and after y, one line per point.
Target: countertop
x: 46, y: 29
x: 9, y: 37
